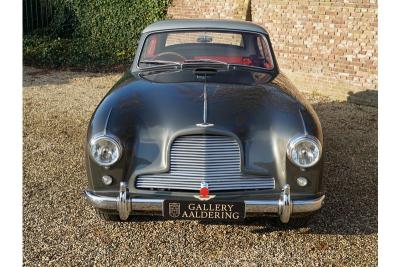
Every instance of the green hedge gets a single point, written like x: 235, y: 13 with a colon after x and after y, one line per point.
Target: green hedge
x: 92, y: 33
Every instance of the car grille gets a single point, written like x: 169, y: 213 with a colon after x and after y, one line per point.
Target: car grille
x: 213, y: 159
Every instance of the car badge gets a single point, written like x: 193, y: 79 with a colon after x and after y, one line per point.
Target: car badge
x: 204, y: 192
x: 174, y: 210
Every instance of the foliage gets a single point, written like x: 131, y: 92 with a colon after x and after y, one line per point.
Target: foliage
x: 92, y: 32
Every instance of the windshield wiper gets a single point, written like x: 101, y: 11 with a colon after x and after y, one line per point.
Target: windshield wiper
x: 248, y: 67
x: 205, y: 61
x: 228, y: 65
x: 160, y: 65
x: 160, y: 62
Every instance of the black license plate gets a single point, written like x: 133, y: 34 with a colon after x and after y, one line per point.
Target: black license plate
x: 201, y: 210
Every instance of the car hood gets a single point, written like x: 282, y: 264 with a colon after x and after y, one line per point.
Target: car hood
x: 147, y: 114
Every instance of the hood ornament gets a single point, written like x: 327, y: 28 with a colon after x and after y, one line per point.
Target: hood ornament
x: 205, y: 104
x: 203, y: 194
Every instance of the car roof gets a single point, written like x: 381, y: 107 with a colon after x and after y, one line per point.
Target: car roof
x: 165, y: 25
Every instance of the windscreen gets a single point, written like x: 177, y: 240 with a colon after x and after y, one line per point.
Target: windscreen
x: 224, y: 46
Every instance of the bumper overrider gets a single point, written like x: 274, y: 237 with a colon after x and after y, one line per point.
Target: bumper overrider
x: 284, y: 206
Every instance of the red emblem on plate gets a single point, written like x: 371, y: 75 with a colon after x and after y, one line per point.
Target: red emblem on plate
x: 204, y: 192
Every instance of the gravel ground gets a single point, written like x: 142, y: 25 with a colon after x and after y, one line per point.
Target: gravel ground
x: 60, y: 229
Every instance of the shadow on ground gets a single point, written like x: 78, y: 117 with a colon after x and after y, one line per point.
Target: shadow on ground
x: 367, y: 98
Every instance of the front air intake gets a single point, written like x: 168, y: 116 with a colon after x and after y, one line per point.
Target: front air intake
x: 213, y: 159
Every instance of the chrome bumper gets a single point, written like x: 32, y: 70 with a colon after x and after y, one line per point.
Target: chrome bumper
x: 284, y: 207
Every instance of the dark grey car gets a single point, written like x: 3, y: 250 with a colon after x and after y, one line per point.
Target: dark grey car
x: 204, y: 126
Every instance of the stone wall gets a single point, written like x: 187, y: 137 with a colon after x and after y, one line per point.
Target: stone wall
x: 330, y: 47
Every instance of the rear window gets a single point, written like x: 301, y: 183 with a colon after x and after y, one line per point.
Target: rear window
x: 234, y: 39
x: 228, y: 46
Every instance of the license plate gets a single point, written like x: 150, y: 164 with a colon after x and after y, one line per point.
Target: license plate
x: 200, y: 210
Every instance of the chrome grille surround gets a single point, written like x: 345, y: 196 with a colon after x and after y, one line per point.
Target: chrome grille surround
x: 214, y: 159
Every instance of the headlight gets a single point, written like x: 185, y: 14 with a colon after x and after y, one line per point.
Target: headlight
x: 304, y: 151
x: 105, y: 150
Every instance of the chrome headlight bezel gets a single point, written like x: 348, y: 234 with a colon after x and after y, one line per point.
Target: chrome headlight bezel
x: 293, y: 142
x: 112, y: 139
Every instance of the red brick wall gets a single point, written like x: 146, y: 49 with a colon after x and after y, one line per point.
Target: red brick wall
x: 215, y: 9
x: 326, y: 46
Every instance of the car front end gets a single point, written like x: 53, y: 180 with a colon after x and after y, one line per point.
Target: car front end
x: 205, y: 137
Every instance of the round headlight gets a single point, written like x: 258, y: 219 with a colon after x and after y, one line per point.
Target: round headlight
x: 105, y: 150
x: 304, y: 151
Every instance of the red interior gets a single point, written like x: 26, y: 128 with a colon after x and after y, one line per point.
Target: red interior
x: 233, y: 60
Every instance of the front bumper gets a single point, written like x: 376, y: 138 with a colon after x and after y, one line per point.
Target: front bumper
x: 284, y: 206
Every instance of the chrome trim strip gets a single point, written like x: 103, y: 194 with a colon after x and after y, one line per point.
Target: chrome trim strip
x: 205, y: 103
x: 205, y: 106
x: 284, y: 206
x: 303, y: 122
x: 107, y: 122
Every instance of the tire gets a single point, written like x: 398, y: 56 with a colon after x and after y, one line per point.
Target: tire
x: 107, y: 215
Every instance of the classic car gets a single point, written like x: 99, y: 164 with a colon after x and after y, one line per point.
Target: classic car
x: 204, y: 126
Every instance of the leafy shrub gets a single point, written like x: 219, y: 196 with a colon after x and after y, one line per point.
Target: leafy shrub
x: 92, y: 33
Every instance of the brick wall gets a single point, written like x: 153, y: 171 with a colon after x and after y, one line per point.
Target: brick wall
x: 324, y: 46
x: 209, y: 9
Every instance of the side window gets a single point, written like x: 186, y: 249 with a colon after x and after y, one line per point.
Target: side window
x: 150, y: 47
x: 260, y: 46
x: 265, y: 52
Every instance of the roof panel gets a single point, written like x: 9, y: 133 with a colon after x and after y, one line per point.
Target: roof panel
x: 164, y: 25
